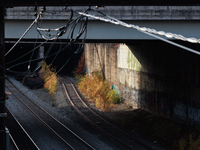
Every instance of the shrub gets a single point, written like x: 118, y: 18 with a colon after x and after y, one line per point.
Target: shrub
x: 194, y: 144
x: 97, y: 90
x: 114, y: 96
x: 81, y: 66
x: 182, y: 144
x: 49, y: 75
x: 189, y: 143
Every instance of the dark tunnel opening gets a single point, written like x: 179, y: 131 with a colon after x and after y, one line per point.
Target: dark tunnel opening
x: 16, y: 60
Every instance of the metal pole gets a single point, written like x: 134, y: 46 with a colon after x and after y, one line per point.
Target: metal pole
x: 7, y: 139
x: 2, y: 82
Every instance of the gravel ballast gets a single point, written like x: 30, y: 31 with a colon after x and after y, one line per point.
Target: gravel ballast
x: 62, y: 112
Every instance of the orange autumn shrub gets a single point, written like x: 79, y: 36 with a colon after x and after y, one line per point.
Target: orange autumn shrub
x: 97, y: 90
x: 81, y: 65
x: 49, y: 75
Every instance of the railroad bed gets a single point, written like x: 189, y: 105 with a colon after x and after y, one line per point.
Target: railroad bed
x: 35, y: 116
x: 60, y: 130
x: 94, y: 131
x: 123, y: 139
x: 18, y: 133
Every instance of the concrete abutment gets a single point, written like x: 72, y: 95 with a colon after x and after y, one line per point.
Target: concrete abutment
x: 151, y: 75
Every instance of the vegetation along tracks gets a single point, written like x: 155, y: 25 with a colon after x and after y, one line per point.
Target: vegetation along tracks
x: 72, y: 140
x: 100, y: 123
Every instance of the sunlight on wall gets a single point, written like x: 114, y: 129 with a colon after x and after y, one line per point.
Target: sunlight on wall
x: 127, y: 59
x: 132, y: 62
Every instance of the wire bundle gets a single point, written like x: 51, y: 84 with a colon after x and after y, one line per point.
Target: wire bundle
x: 78, y: 25
x: 82, y: 21
x: 150, y: 32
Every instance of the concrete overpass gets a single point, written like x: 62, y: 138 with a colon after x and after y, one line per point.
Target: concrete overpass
x: 182, y: 20
x: 12, y: 3
x: 146, y: 73
x: 144, y: 70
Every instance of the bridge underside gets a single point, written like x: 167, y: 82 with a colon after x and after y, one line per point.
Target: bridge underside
x: 98, y: 30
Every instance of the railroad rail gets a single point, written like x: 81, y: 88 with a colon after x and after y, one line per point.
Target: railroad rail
x: 100, y: 123
x: 18, y: 133
x: 71, y: 139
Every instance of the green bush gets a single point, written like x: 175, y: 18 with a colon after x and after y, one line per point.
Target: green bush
x: 115, y: 97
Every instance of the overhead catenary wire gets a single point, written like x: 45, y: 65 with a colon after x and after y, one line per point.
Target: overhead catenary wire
x: 72, y: 40
x: 26, y: 53
x: 29, y: 65
x: 42, y: 59
x: 82, y: 29
x: 162, y: 33
x: 35, y: 21
x: 83, y: 19
x: 47, y: 56
x: 60, y: 31
x: 37, y: 59
x: 145, y: 30
x: 65, y: 63
x: 57, y: 53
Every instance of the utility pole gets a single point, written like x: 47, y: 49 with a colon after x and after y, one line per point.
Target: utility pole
x: 2, y: 82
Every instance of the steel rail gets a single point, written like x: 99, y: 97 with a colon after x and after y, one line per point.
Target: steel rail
x: 97, y: 115
x: 102, y: 130
x: 41, y: 120
x: 52, y: 118
x: 13, y: 141
x: 15, y: 144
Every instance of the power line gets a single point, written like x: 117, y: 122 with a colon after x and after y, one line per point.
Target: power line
x: 35, y: 21
x: 60, y: 31
x: 145, y: 30
x: 26, y: 53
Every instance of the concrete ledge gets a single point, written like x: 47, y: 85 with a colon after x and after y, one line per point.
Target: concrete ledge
x: 119, y: 12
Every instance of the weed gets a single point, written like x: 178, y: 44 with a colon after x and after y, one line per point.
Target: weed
x: 115, y: 97
x: 97, y: 90
x: 81, y: 65
x: 189, y: 142
x: 182, y: 143
x: 49, y: 75
x: 194, y: 144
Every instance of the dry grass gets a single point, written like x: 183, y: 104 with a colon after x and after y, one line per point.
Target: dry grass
x: 189, y: 142
x: 81, y: 65
x: 97, y: 90
x: 49, y: 75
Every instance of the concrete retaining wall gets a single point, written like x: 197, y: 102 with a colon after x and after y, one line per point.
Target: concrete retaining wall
x: 151, y: 75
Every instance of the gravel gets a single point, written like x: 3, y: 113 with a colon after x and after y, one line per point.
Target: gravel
x: 62, y: 112
x: 59, y: 108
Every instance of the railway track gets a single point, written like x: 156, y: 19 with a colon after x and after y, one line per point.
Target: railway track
x: 71, y: 140
x: 18, y: 133
x: 127, y: 141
